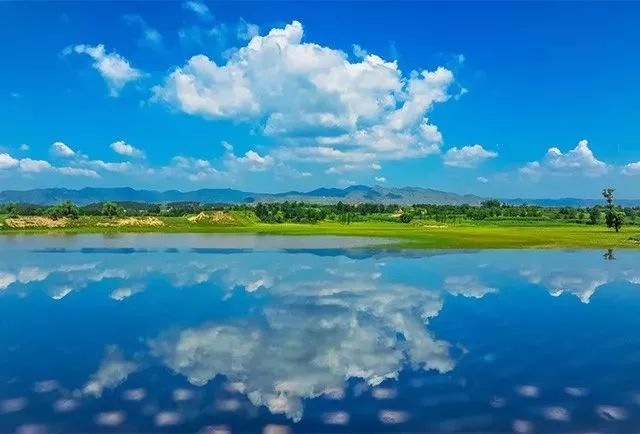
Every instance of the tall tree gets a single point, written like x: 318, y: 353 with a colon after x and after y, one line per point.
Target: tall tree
x: 614, y: 218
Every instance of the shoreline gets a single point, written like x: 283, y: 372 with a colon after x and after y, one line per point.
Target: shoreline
x: 419, y: 235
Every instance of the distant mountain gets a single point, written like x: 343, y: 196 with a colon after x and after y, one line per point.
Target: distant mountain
x: 353, y: 194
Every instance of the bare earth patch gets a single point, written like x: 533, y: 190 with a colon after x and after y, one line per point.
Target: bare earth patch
x: 34, y: 222
x: 134, y: 221
x: 215, y: 217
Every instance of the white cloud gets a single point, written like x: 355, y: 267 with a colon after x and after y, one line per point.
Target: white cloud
x: 24, y: 147
x: 7, y: 161
x: 6, y: 279
x: 246, y: 31
x: 29, y: 166
x: 123, y: 148
x: 467, y: 156
x: 579, y: 159
x: 60, y: 149
x: 467, y: 286
x: 198, y: 8
x: 313, y: 100
x: 76, y: 171
x: 114, y: 68
x: 251, y: 161
x: 110, y: 167
x: 482, y: 179
x: 531, y: 169
x: 194, y: 169
x: 356, y: 334
x: 380, y: 179
x: 631, y: 169
x: 34, y: 166
x: 113, y: 371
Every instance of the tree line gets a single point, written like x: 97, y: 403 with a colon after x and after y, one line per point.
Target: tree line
x: 303, y: 212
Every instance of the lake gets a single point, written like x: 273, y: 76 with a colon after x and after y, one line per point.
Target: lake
x: 274, y: 335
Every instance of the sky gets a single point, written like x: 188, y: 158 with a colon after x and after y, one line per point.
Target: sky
x: 504, y: 99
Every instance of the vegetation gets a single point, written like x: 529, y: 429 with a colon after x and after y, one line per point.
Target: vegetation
x: 66, y: 209
x: 613, y: 217
x: 492, y: 224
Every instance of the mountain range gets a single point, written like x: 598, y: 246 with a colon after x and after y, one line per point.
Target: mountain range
x: 352, y: 194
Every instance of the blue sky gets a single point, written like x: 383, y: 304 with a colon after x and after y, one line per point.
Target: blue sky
x: 499, y: 99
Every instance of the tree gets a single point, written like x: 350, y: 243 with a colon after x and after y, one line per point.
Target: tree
x: 65, y: 209
x: 111, y: 209
x: 406, y: 218
x: 491, y: 203
x: 608, y: 195
x: 11, y: 208
x: 594, y: 215
x: 614, y: 218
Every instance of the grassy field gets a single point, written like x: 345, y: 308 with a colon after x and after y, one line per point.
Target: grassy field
x: 417, y: 234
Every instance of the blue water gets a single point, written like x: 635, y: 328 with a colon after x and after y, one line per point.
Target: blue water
x: 279, y: 335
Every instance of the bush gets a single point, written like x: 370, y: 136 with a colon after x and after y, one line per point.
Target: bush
x: 406, y: 218
x: 111, y: 209
x: 66, y: 209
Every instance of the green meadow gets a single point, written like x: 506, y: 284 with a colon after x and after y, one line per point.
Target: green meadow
x: 416, y: 234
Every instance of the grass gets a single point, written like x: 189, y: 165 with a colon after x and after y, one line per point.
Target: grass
x: 418, y: 234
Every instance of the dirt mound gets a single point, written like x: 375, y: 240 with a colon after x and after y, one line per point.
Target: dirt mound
x: 215, y: 217
x: 134, y: 221
x: 34, y: 222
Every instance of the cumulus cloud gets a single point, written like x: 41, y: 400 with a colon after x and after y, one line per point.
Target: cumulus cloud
x: 110, y: 167
x: 30, y: 167
x: 115, y: 69
x: 251, y: 161
x: 577, y: 161
x: 34, y: 166
x: 380, y: 179
x: 631, y: 169
x: 313, y: 99
x: 77, y: 171
x: 580, y: 159
x: 467, y: 156
x: 7, y: 161
x: 123, y: 148
x: 482, y: 179
x: 59, y: 149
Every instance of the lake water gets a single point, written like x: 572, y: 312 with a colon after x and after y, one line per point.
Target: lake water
x: 232, y: 334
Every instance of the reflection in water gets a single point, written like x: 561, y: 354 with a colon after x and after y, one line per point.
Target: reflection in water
x: 256, y: 340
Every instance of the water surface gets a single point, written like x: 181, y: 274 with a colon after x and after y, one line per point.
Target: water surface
x: 180, y: 333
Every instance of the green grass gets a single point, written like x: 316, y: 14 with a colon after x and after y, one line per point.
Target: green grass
x: 419, y: 234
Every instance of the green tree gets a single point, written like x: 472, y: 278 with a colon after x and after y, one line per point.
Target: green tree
x: 11, y: 208
x: 110, y: 209
x: 614, y: 218
x: 594, y: 215
x: 406, y: 218
x: 65, y: 209
x: 608, y: 196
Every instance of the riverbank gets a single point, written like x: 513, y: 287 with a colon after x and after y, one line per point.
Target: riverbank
x: 417, y: 234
